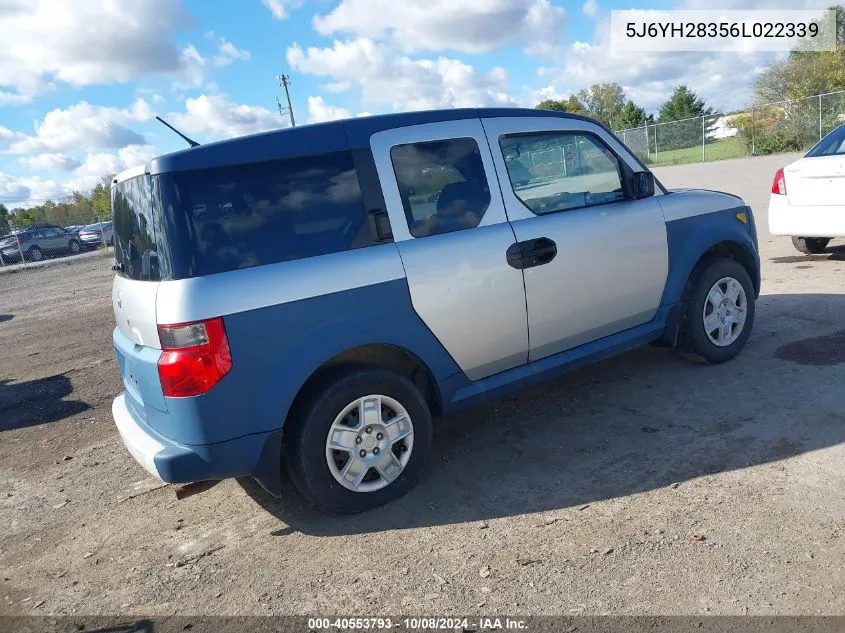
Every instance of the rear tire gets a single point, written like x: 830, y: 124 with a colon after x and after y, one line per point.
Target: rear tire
x: 810, y: 245
x: 715, y: 326
x: 34, y: 254
x: 74, y: 247
x: 342, y: 406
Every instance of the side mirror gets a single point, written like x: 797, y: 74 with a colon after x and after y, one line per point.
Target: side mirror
x: 642, y: 185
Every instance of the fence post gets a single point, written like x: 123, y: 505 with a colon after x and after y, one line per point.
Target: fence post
x: 102, y: 232
x: 20, y: 249
x: 752, y: 130
x: 656, y: 149
x: 702, y: 139
x: 820, y: 117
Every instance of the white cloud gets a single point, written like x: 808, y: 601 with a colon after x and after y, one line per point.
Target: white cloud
x: 133, y: 155
x: 9, y: 138
x: 537, y: 95
x: 471, y: 26
x: 590, y: 8
x: 84, y: 42
x: 337, y: 86
x: 216, y: 117
x: 319, y: 111
x: 27, y: 191
x: 399, y: 82
x: 723, y: 80
x: 230, y: 53
x: 193, y: 68
x: 96, y: 165
x: 81, y: 127
x: 279, y: 8
x: 51, y: 162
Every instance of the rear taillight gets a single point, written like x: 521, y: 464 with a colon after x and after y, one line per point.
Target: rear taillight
x: 195, y: 357
x: 779, y: 183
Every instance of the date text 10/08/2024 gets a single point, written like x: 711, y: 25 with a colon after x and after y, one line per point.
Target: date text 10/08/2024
x: 417, y: 624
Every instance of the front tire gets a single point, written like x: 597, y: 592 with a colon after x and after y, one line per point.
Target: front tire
x: 810, y: 245
x: 74, y: 247
x: 360, y: 438
x: 718, y: 312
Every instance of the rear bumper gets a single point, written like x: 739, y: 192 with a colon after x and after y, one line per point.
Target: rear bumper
x: 817, y: 221
x: 255, y: 455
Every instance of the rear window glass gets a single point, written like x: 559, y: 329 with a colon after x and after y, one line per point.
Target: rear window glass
x: 240, y: 216
x: 442, y: 184
x: 831, y: 145
x: 134, y: 235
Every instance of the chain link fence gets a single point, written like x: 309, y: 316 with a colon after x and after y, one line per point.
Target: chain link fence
x: 787, y: 126
x: 44, y: 241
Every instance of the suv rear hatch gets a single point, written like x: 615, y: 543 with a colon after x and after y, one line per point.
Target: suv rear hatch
x: 134, y: 292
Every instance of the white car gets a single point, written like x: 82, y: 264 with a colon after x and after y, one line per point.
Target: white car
x: 808, y: 196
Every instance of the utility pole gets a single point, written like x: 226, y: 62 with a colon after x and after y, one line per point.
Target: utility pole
x: 284, y: 81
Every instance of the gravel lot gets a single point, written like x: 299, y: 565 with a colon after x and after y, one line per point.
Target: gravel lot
x: 642, y: 485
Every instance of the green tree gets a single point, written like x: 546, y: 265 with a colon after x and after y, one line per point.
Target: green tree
x: 630, y: 116
x: 685, y: 127
x: 571, y: 105
x: 101, y: 197
x: 604, y: 101
x: 805, y: 73
x: 683, y: 104
x: 27, y: 217
x: 4, y: 219
x: 796, y: 118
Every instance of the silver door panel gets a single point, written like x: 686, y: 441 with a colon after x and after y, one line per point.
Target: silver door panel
x: 460, y: 283
x: 469, y: 297
x: 591, y: 289
x: 612, y: 260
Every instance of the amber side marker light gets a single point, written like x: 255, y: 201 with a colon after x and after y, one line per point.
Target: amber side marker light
x: 742, y: 216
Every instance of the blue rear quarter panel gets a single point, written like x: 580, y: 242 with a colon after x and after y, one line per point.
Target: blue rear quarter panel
x: 276, y: 349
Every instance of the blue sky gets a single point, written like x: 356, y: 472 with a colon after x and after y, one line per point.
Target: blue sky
x: 81, y: 80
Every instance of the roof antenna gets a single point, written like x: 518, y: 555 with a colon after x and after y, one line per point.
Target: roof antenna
x: 189, y: 141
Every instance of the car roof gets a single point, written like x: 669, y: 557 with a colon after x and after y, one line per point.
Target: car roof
x: 320, y: 138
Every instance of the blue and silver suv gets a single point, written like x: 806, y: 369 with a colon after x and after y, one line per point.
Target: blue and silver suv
x: 313, y: 297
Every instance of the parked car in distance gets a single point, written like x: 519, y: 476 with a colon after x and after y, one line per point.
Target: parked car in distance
x: 74, y: 228
x: 96, y: 235
x: 298, y: 298
x: 38, y: 242
x: 808, y: 196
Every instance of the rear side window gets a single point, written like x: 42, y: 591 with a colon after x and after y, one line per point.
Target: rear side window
x: 224, y: 219
x: 831, y: 145
x: 135, y: 247
x: 442, y: 184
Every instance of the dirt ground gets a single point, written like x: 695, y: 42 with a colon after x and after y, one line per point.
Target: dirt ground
x: 642, y: 485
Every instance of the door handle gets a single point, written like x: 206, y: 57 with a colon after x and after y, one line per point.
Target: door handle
x: 531, y: 253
